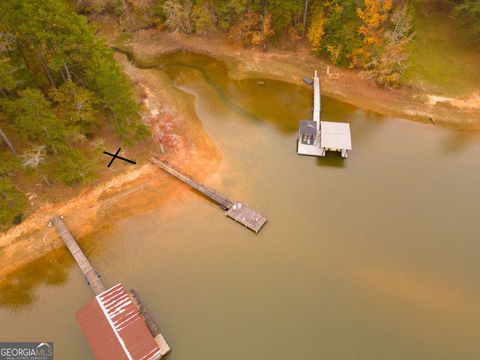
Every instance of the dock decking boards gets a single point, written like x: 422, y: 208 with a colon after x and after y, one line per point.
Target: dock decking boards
x: 329, y: 136
x: 246, y: 216
x: 88, y: 271
x: 237, y: 211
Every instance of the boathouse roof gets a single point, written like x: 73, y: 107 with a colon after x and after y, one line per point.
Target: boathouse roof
x: 335, y: 135
x: 115, y: 328
x: 308, y: 127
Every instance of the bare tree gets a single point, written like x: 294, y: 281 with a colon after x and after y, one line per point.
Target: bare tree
x: 7, y: 142
x: 305, y: 13
x: 32, y: 158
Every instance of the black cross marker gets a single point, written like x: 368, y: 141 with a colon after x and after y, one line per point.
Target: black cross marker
x: 114, y: 156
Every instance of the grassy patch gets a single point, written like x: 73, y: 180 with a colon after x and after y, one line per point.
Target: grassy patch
x: 442, y: 61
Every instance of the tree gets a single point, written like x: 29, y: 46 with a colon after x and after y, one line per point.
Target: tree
x: 115, y: 95
x: 469, y: 12
x: 12, y: 201
x: 264, y: 32
x: 75, y: 104
x: 75, y: 168
x: 203, y: 17
x: 178, y: 15
x: 35, y: 156
x: 388, y: 67
x: 7, y: 142
x: 8, y: 81
x: 305, y: 14
x: 61, y: 45
x: 35, y: 120
x: 244, y: 29
x: 374, y: 16
x: 316, y: 31
x: 115, y: 7
x: 333, y: 30
x: 284, y: 13
x: 251, y: 28
x: 226, y: 11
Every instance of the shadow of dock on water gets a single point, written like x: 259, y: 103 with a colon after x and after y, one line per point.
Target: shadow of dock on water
x: 332, y: 159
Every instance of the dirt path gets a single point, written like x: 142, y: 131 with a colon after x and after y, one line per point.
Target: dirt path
x: 140, y: 189
x: 343, y: 84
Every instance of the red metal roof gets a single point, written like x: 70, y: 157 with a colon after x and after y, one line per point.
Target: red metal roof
x: 115, y: 329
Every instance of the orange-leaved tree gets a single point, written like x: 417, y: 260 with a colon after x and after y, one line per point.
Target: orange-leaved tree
x: 374, y: 16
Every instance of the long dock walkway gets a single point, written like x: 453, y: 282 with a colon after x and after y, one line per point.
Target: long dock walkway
x: 221, y: 200
x: 316, y: 98
x: 235, y: 210
x: 88, y: 271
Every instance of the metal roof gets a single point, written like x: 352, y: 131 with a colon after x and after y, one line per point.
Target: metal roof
x: 335, y: 135
x: 115, y: 329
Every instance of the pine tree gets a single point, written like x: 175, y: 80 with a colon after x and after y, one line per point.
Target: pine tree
x: 35, y: 120
x: 61, y: 45
x: 12, y: 201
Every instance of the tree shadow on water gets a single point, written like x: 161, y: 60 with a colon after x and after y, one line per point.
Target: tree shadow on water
x: 18, y: 289
x: 459, y: 141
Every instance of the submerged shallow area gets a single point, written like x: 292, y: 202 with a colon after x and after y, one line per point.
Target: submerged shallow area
x: 373, y: 257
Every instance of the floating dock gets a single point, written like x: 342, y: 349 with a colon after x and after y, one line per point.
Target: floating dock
x: 316, y: 137
x: 116, y: 323
x: 235, y: 210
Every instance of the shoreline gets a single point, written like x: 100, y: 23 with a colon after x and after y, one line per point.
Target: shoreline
x: 144, y: 188
x: 342, y: 84
x: 139, y: 189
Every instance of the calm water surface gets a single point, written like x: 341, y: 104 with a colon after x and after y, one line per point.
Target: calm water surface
x: 375, y: 257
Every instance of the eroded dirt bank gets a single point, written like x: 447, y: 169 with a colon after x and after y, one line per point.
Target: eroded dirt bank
x: 141, y: 188
x: 343, y: 84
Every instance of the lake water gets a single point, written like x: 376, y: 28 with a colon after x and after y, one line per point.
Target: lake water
x: 373, y: 257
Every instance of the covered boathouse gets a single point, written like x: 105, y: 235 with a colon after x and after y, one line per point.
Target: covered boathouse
x: 316, y: 137
x: 118, y: 327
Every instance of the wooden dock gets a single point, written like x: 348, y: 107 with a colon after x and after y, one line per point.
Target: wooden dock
x: 89, y: 272
x: 113, y: 330
x: 316, y: 137
x: 151, y: 324
x: 246, y: 216
x: 235, y: 210
x: 316, y: 98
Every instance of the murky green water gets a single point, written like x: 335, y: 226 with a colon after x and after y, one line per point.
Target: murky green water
x: 375, y: 257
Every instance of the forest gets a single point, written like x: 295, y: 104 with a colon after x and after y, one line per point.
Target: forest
x: 371, y: 35
x: 60, y: 84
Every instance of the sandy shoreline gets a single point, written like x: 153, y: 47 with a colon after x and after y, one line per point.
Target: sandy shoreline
x: 140, y: 189
x: 144, y: 187
x: 343, y: 84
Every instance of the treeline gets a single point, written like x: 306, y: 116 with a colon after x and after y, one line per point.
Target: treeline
x: 468, y: 11
x: 58, y: 82
x: 372, y: 35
